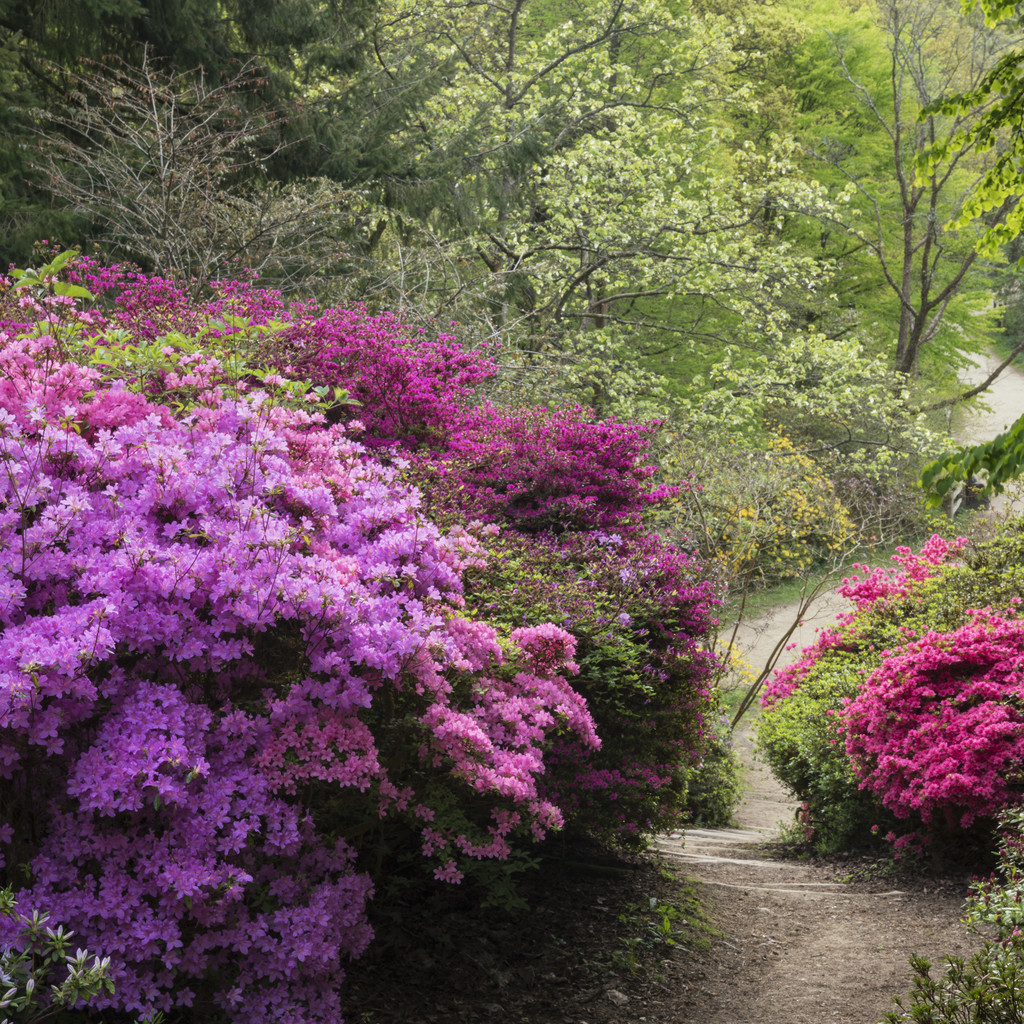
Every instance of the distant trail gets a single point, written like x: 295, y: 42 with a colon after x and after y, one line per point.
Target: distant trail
x: 1005, y: 399
x: 1006, y: 402
x: 801, y: 947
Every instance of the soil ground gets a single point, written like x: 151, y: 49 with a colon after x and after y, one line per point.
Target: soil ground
x: 712, y: 927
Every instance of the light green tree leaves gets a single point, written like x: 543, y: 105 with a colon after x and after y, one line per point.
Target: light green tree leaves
x: 592, y: 177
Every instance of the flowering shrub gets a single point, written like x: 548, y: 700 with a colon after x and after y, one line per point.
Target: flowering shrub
x: 799, y: 732
x: 938, y: 728
x: 913, y: 699
x: 881, y: 583
x: 144, y: 306
x: 551, y: 470
x: 761, y: 514
x: 412, y: 389
x: 239, y: 660
x: 807, y: 441
x: 205, y: 621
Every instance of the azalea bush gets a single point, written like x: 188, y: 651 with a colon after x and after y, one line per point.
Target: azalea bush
x: 904, y: 719
x: 638, y: 609
x: 246, y: 658
x: 938, y: 727
x: 413, y: 388
x: 799, y: 733
x: 565, y: 497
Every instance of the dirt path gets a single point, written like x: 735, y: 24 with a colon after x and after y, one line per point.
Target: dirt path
x: 1006, y: 402
x: 801, y: 946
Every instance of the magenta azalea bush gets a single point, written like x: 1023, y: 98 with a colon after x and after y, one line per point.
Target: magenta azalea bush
x: 566, y: 498
x: 878, y: 589
x: 541, y: 470
x: 413, y: 389
x: 938, y: 727
x: 244, y: 653
x: 907, y: 715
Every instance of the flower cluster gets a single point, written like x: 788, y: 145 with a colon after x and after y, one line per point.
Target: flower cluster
x: 544, y: 470
x: 411, y: 388
x: 881, y: 583
x: 878, y: 585
x: 938, y: 727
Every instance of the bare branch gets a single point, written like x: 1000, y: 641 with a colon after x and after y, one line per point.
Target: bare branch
x: 170, y: 165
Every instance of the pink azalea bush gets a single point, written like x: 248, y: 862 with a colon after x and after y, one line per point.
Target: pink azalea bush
x: 934, y: 732
x: 878, y: 587
x: 908, y: 711
x: 882, y: 583
x: 242, y: 651
x: 800, y: 730
x: 938, y: 728
x: 412, y: 388
x: 642, y: 671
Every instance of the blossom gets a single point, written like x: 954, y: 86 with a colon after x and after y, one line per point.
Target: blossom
x: 937, y: 727
x: 232, y: 633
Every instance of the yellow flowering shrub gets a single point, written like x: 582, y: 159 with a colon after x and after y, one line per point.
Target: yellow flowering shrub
x: 765, y: 515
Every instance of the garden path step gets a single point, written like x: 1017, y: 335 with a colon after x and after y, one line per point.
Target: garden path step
x: 740, y: 835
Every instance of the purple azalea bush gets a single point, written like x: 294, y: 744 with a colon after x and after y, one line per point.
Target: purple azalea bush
x: 239, y: 640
